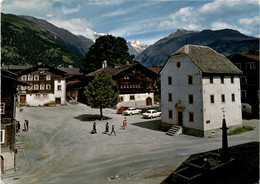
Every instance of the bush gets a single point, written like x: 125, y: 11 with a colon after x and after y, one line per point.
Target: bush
x: 241, y: 130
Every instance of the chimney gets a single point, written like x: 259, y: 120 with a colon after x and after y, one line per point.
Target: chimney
x: 104, y: 64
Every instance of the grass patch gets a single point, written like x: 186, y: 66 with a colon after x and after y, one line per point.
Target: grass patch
x: 241, y: 130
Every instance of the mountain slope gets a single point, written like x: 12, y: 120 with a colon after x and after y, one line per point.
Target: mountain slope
x: 224, y: 41
x: 24, y: 42
x: 136, y: 47
x: 80, y: 44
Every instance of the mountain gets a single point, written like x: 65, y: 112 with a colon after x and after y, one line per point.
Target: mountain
x: 224, y: 41
x: 136, y: 47
x: 23, y: 42
x: 79, y: 44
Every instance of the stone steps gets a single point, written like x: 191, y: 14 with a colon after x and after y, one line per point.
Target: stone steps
x: 174, y: 130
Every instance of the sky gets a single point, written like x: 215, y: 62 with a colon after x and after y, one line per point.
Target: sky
x: 145, y: 20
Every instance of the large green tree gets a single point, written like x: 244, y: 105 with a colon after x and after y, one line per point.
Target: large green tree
x: 110, y: 48
x: 101, y: 92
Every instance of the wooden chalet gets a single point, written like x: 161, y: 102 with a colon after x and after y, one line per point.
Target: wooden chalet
x: 9, y: 82
x: 135, y: 83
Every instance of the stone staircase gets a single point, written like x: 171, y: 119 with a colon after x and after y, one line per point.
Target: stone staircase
x: 19, y: 142
x: 174, y: 130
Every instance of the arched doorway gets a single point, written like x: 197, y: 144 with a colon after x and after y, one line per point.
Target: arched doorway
x: 149, y: 101
x: 2, y: 165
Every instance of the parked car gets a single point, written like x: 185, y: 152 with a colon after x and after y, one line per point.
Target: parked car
x: 151, y: 114
x: 131, y: 111
x: 121, y: 109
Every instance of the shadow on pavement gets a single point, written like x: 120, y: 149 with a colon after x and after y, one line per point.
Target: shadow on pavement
x: 90, y: 117
x: 152, y: 125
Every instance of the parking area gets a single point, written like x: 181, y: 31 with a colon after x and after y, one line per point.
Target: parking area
x: 60, y: 149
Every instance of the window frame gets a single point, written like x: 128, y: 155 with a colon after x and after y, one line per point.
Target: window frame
x: 36, y: 78
x: 191, y: 114
x: 233, y: 97
x: 190, y: 80
x: 223, y: 99
x: 212, y: 99
x: 48, y: 77
x: 170, y: 114
x: 190, y: 99
x: 222, y: 79
x: 2, y: 137
x: 169, y: 97
x: 169, y: 80
x: 36, y: 87
x: 211, y: 79
x: 132, y: 97
x: 2, y: 111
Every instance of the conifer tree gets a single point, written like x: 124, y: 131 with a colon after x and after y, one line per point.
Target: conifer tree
x: 101, y: 92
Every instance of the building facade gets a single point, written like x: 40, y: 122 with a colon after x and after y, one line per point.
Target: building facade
x: 198, y: 87
x: 250, y: 92
x: 9, y: 82
x: 135, y: 83
x: 47, y: 85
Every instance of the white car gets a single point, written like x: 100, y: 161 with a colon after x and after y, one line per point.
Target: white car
x: 151, y: 114
x: 131, y: 111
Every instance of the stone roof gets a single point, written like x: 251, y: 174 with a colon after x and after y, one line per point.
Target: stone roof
x: 19, y: 67
x: 208, y: 60
x: 72, y: 71
x: 155, y: 69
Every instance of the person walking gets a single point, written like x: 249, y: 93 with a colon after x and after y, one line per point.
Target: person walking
x: 107, y: 128
x: 124, y: 123
x: 27, y: 125
x: 113, y: 130
x: 94, y: 130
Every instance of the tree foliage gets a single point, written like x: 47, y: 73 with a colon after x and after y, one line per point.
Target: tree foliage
x: 112, y: 49
x: 101, y: 92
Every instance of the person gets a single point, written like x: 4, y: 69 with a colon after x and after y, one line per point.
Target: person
x: 113, y: 130
x: 107, y: 128
x: 124, y: 123
x: 27, y: 125
x: 94, y: 130
x: 24, y: 125
x: 18, y: 126
x: 206, y: 165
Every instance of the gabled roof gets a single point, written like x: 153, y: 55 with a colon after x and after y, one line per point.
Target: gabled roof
x: 72, y: 71
x: 35, y: 68
x: 19, y: 67
x: 251, y: 56
x: 208, y: 60
x: 10, y: 76
x: 115, y: 70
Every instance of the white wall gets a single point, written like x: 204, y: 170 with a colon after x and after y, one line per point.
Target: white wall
x: 180, y: 91
x: 213, y: 112
x: 8, y: 161
x: 140, y: 99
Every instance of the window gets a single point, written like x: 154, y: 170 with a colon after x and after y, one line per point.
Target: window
x: 42, y: 87
x: 243, y: 93
x: 211, y: 79
x: 2, y: 108
x: 243, y: 79
x: 30, y: 87
x: 23, y: 87
x: 223, y: 98
x: 59, y: 87
x: 190, y: 99
x: 170, y: 114
x: 132, y: 97
x: 178, y: 64
x: 191, y: 116
x: 190, y: 79
x: 24, y: 77
x: 121, y: 99
x: 211, y: 98
x: 36, y: 87
x: 169, y: 97
x: 208, y: 121
x: 36, y: 77
x: 48, y: 86
x: 45, y: 95
x: 48, y: 77
x: 2, y: 136
x: 59, y: 81
x: 233, y: 97
x: 238, y: 65
x: 232, y: 79
x: 38, y: 96
x: 169, y: 80
x: 30, y: 77
x: 42, y: 77
x: 222, y: 79
x: 250, y: 66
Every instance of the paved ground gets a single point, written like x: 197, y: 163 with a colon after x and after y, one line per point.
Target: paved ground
x: 60, y: 149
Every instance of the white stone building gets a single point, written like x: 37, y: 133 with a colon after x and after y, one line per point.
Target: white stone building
x: 47, y: 86
x: 198, y: 86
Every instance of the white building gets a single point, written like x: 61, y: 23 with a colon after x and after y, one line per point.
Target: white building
x: 47, y: 86
x: 198, y: 86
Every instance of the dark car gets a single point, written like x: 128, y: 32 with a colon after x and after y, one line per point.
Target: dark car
x: 122, y: 109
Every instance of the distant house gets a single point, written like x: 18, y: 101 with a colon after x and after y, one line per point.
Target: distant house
x: 9, y: 82
x: 47, y: 86
x: 135, y: 83
x: 250, y: 93
x: 74, y: 83
x: 198, y: 87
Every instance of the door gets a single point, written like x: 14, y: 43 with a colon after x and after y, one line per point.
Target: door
x: 58, y: 100
x: 23, y: 99
x: 148, y: 101
x: 180, y: 118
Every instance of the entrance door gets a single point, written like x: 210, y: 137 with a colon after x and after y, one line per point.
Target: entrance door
x: 180, y: 118
x: 58, y: 100
x: 23, y: 99
x: 148, y: 101
x: 2, y: 165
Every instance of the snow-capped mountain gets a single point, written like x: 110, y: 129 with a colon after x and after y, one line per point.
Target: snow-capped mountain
x: 136, y: 47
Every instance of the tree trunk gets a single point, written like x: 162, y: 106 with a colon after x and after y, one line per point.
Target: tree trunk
x: 101, y: 114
